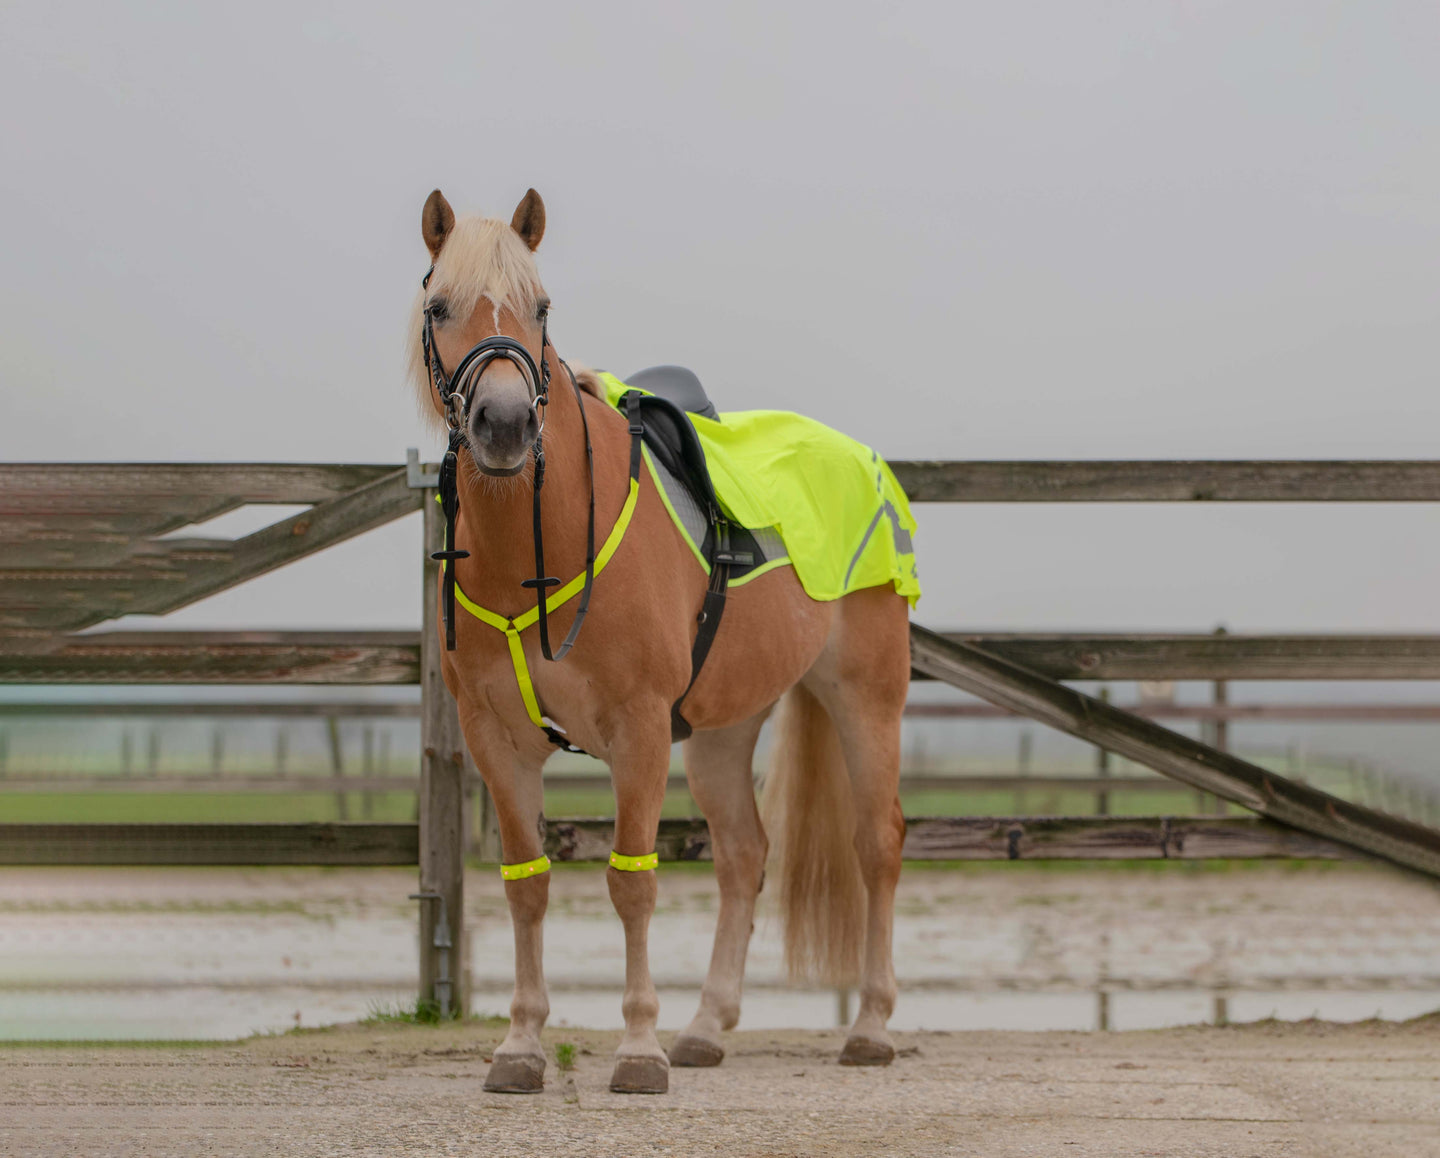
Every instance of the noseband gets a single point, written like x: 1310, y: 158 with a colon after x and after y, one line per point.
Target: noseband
x: 456, y: 393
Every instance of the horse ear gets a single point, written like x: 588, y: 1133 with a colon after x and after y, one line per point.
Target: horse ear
x: 529, y: 219
x: 437, y: 219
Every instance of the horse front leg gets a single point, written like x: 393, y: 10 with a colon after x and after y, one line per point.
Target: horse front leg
x: 518, y: 1065
x: 640, y: 764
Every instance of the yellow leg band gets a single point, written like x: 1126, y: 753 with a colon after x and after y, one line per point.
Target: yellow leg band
x: 531, y: 868
x: 634, y: 864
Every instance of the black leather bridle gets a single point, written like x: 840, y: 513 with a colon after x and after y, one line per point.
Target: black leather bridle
x: 456, y: 393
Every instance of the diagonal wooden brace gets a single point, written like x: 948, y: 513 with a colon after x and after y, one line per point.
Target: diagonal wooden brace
x: 1028, y: 693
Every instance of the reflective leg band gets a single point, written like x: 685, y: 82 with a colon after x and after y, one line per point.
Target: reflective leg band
x: 634, y: 864
x: 531, y: 868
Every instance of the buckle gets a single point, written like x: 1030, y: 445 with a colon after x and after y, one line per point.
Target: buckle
x: 637, y: 428
x: 735, y: 558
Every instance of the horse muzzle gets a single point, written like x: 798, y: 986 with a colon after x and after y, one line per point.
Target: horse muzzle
x: 501, y: 432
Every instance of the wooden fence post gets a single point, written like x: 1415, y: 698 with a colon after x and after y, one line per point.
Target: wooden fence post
x: 442, y: 800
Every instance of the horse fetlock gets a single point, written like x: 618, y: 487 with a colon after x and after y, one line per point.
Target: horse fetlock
x: 529, y: 1012
x: 877, y: 1000
x: 640, y: 1009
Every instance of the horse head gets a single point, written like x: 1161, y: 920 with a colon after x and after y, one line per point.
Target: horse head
x: 478, y: 340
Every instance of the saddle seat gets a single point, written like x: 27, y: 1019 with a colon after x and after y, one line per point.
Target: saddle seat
x: 678, y: 385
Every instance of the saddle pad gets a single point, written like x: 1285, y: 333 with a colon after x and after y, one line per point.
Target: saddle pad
x: 844, y: 519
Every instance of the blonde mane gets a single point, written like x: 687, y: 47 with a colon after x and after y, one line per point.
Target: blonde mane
x: 482, y: 258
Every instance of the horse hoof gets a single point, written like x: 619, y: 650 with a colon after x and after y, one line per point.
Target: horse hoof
x: 688, y: 1050
x: 864, y: 1051
x: 516, y: 1075
x: 640, y: 1075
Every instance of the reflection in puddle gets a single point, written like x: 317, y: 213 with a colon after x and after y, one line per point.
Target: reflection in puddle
x: 225, y: 953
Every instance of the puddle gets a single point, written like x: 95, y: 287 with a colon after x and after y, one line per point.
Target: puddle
x: 223, y: 953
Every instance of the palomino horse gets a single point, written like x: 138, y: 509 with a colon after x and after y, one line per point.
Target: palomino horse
x: 842, y: 667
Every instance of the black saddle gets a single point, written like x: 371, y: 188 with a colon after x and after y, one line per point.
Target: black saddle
x: 675, y: 394
x: 679, y: 385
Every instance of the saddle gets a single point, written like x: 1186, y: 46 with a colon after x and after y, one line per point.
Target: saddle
x: 675, y: 393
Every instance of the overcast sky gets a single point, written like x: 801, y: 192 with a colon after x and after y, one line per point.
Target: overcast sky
x: 1017, y: 230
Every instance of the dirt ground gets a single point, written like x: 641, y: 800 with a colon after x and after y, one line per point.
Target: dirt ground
x: 1369, y: 1089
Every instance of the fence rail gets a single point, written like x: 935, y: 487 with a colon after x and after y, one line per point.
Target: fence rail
x: 393, y: 657
x: 685, y: 839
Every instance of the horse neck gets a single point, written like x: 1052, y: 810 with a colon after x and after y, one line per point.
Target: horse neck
x: 496, y: 522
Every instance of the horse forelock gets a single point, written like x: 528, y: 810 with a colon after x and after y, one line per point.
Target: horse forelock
x: 482, y: 258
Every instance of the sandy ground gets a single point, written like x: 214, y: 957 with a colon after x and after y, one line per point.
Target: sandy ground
x: 1369, y: 1090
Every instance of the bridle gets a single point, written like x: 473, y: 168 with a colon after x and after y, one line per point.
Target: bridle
x: 457, y: 393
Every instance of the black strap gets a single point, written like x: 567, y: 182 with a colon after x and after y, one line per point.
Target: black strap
x: 721, y: 560
x: 542, y: 582
x: 450, y: 505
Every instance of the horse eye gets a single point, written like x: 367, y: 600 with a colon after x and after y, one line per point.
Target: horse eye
x: 437, y: 310
x: 542, y: 307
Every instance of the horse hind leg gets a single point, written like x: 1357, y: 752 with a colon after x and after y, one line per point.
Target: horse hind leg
x: 718, y: 767
x: 862, y: 680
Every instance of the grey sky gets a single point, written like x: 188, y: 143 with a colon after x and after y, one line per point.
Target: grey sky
x: 965, y: 231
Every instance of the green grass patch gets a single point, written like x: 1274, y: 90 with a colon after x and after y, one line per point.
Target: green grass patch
x: 418, y: 1012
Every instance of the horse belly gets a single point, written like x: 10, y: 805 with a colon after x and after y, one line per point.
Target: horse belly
x: 770, y: 636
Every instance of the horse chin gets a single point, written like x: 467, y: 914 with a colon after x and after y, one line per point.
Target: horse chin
x: 500, y: 471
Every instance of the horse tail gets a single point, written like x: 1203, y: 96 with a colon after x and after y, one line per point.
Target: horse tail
x: 809, y: 815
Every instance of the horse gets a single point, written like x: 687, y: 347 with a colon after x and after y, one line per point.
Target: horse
x: 839, y: 670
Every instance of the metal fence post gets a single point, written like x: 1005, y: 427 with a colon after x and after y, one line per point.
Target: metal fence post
x: 442, y: 800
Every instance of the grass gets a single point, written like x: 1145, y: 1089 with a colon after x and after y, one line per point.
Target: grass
x: 565, y: 1056
x: 417, y: 1013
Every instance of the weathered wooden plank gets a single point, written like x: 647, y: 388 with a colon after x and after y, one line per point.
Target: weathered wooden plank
x: 1084, y: 656
x: 203, y: 782
x: 381, y: 709
x: 195, y: 784
x: 679, y: 839
x: 58, y: 483
x: 84, y: 528
x: 359, y: 657
x: 1006, y: 683
x: 221, y: 657
x: 217, y: 709
x: 1003, y: 838
x: 1110, y: 838
x: 108, y: 551
x: 1118, y: 481
x: 1259, y: 712
x: 209, y: 844
x: 323, y: 525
